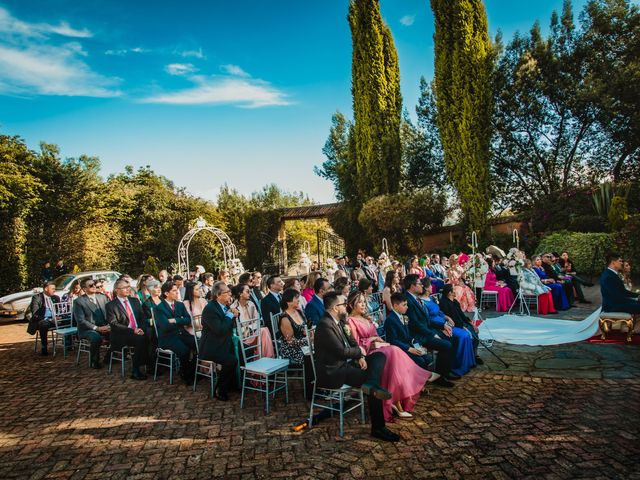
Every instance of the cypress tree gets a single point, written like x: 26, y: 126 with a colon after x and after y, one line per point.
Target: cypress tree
x: 377, y: 102
x: 463, y: 62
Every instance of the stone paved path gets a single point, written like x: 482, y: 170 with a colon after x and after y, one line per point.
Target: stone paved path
x: 563, y: 412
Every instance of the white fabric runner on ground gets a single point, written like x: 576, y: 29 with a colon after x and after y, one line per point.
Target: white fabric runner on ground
x: 528, y: 330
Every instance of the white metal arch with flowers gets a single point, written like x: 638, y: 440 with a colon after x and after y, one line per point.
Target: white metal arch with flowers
x: 229, y: 250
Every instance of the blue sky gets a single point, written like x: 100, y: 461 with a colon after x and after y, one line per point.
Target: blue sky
x: 205, y: 92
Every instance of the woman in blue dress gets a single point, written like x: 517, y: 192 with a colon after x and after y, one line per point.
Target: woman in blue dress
x: 560, y: 301
x: 436, y: 283
x: 462, y: 338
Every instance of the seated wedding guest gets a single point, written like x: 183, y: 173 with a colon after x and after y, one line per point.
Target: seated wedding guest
x: 41, y: 309
x: 357, y: 273
x: 567, y: 268
x: 224, y: 276
x: 270, y: 304
x: 307, y: 290
x: 433, y: 335
x: 216, y: 343
x: 532, y: 285
x: 154, y: 287
x: 559, y: 298
x: 505, y: 295
x: 476, y: 271
x: 550, y: 272
x: 248, y: 311
x: 437, y: 267
x: 89, y: 313
x: 339, y: 361
x: 294, y: 283
x: 194, y: 303
x: 142, y: 293
x: 291, y: 336
x: 503, y: 273
x: 615, y: 297
x: 75, y: 291
x: 126, y: 319
x: 207, y: 282
x: 465, y: 334
x: 314, y: 310
x: 178, y: 281
x: 401, y: 376
x: 391, y: 286
x: 415, y: 268
x: 163, y: 276
x: 100, y: 289
x: 342, y: 286
x: 171, y: 318
x: 456, y: 276
x: 366, y: 288
x: 371, y: 272
x: 256, y: 292
x: 436, y: 282
x: 396, y: 327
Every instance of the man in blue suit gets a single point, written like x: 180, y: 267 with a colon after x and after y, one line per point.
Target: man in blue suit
x: 615, y: 297
x: 314, y: 310
x: 434, y: 335
x: 397, y: 331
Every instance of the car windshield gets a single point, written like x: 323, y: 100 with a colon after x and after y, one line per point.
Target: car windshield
x: 63, y: 280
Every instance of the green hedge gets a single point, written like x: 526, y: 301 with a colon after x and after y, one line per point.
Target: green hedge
x: 587, y: 250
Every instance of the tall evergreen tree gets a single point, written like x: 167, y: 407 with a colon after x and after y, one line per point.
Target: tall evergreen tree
x: 377, y: 102
x: 463, y: 60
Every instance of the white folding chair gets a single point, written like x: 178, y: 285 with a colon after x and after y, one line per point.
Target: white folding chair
x: 488, y: 297
x: 297, y: 371
x: 164, y: 356
x: 63, y: 321
x: 208, y: 366
x: 326, y: 398
x: 265, y: 375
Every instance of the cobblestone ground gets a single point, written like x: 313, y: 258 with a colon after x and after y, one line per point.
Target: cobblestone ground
x: 62, y: 421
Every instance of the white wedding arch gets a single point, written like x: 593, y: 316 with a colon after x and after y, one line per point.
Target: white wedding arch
x: 229, y: 250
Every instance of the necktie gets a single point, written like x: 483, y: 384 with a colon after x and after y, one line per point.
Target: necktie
x: 132, y: 320
x: 173, y: 308
x: 92, y: 300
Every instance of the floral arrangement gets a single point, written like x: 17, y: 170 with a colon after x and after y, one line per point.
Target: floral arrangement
x: 515, y: 261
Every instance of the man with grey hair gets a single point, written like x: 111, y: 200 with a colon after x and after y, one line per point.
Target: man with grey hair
x: 216, y: 343
x: 128, y: 324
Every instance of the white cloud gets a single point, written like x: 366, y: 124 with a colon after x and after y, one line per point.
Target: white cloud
x: 32, y: 63
x: 124, y: 51
x: 180, y: 68
x: 408, y: 20
x: 191, y: 53
x: 11, y: 25
x: 242, y: 92
x: 234, y: 70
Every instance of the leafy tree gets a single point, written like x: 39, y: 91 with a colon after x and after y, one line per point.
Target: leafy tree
x: 463, y: 64
x: 377, y: 102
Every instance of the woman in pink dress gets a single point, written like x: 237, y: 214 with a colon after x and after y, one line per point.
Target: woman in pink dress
x: 505, y: 295
x: 415, y: 268
x: 464, y: 294
x: 401, y: 376
x: 307, y: 291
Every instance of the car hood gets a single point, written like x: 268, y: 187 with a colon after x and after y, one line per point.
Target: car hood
x: 20, y: 295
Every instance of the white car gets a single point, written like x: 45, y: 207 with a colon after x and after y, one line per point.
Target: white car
x: 14, y: 306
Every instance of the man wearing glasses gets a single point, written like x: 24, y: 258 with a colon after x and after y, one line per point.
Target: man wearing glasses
x: 127, y: 322
x: 216, y: 343
x: 615, y: 297
x: 89, y: 312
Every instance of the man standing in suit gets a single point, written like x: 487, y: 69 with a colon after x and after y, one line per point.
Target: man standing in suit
x: 216, y: 343
x: 397, y: 331
x: 42, y: 311
x: 339, y: 361
x: 90, y: 314
x: 171, y: 317
x: 615, y: 297
x: 270, y: 304
x: 428, y: 333
x: 126, y: 319
x: 314, y: 310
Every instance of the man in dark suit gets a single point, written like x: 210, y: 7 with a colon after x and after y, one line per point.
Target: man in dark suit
x: 42, y: 311
x: 128, y: 326
x: 339, y: 361
x: 171, y: 317
x: 397, y: 331
x: 216, y: 343
x: 429, y: 333
x: 615, y: 297
x: 90, y: 314
x: 314, y: 310
x: 547, y: 266
x: 270, y: 304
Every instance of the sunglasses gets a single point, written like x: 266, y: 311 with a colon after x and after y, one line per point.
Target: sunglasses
x: 90, y: 285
